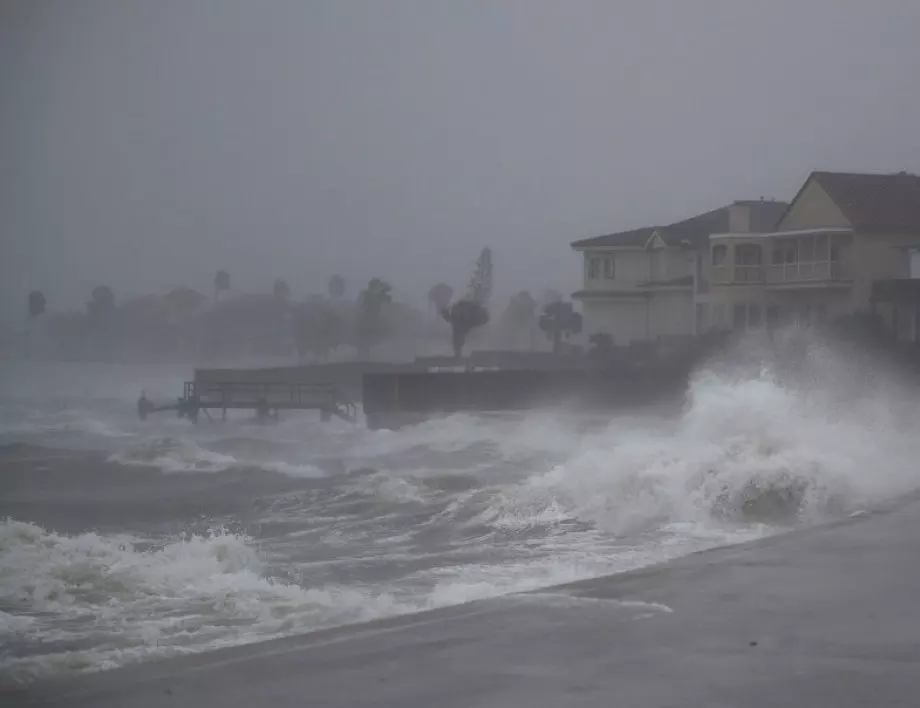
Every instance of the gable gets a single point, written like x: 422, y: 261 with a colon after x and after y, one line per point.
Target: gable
x: 655, y: 241
x: 812, y: 208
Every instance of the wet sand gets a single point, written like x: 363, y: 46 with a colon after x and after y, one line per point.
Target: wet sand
x: 826, y: 616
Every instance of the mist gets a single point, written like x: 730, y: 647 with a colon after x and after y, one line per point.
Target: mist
x: 146, y: 145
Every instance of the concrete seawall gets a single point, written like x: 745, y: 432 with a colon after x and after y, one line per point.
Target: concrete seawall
x: 823, y: 617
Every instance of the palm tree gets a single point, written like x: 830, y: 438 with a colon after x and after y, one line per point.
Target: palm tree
x: 464, y: 316
x: 559, y: 321
x: 221, y: 282
x: 370, y: 306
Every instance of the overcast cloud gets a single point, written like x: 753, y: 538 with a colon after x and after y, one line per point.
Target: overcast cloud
x: 145, y: 144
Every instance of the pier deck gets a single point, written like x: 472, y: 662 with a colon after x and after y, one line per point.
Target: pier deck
x: 266, y: 399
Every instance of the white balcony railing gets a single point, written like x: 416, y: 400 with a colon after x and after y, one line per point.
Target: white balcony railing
x: 737, y: 274
x: 799, y: 272
x: 804, y: 272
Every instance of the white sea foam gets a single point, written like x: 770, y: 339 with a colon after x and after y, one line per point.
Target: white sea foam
x: 95, y: 601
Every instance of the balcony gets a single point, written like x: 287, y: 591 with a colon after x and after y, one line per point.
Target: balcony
x: 806, y: 272
x: 801, y: 272
x: 725, y: 274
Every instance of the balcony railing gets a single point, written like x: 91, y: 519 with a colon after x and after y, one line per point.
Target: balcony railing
x: 799, y: 272
x: 737, y: 274
x: 804, y: 272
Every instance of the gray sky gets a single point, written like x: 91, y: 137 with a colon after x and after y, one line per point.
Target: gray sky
x: 145, y: 144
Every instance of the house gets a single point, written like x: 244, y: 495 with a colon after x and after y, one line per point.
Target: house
x: 653, y: 282
x: 841, y: 235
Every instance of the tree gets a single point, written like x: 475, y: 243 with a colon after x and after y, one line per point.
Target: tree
x: 440, y: 295
x: 559, y: 321
x: 368, y: 325
x: 102, y: 302
x: 281, y: 290
x: 480, y: 288
x: 36, y: 304
x: 221, y: 282
x: 336, y: 287
x: 464, y: 316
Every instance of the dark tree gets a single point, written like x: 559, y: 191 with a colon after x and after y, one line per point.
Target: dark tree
x: 102, y: 303
x: 480, y: 288
x: 281, y: 290
x: 221, y: 282
x: 336, y: 287
x: 368, y: 324
x: 464, y: 316
x: 36, y: 304
x: 559, y: 321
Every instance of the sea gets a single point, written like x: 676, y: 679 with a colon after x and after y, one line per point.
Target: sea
x: 124, y: 541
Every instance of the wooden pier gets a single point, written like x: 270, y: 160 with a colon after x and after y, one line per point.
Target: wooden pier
x: 266, y: 399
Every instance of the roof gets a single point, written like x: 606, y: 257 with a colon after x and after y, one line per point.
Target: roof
x: 695, y: 230
x: 635, y: 238
x: 873, y: 202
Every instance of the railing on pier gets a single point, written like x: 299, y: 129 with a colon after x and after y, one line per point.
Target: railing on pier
x: 264, y: 398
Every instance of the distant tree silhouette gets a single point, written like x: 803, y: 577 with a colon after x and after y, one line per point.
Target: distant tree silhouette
x: 464, y: 316
x: 281, y: 290
x: 559, y: 321
x: 36, y: 304
x: 368, y: 325
x: 221, y: 282
x: 336, y: 287
x: 480, y: 288
x: 102, y: 302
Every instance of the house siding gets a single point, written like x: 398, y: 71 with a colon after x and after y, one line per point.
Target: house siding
x: 813, y: 208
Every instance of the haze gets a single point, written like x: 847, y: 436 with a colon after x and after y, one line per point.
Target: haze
x: 146, y: 144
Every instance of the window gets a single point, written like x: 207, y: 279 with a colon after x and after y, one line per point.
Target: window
x: 599, y: 266
x: 719, y: 254
x: 748, y: 254
x: 754, y: 315
x: 609, y: 269
x: 594, y: 268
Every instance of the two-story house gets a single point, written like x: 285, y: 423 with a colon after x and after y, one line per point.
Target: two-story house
x: 840, y: 234
x: 653, y: 282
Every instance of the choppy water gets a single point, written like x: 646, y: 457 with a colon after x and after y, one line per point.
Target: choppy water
x: 126, y: 540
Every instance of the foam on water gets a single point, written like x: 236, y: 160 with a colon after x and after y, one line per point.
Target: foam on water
x: 91, y: 601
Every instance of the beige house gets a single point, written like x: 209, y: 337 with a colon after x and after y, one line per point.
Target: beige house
x: 840, y: 235
x: 653, y: 282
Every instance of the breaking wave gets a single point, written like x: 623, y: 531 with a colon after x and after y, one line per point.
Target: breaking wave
x: 92, y: 601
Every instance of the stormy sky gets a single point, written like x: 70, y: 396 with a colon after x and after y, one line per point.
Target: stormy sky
x: 145, y: 144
